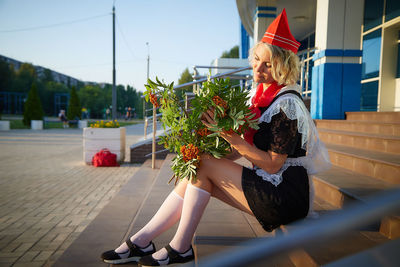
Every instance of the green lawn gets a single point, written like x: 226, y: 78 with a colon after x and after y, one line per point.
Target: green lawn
x: 18, y: 124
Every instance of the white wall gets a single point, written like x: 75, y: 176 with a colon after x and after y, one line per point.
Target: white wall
x: 230, y: 62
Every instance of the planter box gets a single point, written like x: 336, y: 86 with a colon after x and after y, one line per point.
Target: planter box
x: 82, y: 124
x: 36, y: 125
x: 4, y: 125
x: 95, y: 139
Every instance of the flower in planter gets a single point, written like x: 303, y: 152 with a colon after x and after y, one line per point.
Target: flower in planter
x: 187, y: 136
x: 102, y: 124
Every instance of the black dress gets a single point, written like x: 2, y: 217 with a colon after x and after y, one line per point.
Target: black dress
x: 276, y: 203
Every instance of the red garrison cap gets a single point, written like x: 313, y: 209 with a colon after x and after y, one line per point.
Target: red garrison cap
x: 278, y: 33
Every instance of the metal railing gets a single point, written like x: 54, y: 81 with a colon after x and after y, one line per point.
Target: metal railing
x: 306, y: 57
x: 196, y: 83
x: 309, y: 232
x: 231, y: 76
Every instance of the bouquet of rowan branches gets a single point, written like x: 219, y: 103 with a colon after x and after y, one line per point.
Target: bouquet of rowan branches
x: 187, y: 136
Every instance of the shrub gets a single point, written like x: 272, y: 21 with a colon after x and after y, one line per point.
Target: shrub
x: 74, y: 106
x: 33, y: 107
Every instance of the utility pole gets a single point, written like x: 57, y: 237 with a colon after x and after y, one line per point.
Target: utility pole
x: 114, y: 90
x: 148, y: 59
x: 153, y: 147
x: 148, y: 63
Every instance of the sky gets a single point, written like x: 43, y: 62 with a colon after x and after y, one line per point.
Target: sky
x: 74, y: 37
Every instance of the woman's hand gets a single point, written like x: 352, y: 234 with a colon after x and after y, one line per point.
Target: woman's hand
x: 208, y: 121
x: 269, y: 161
x: 207, y: 118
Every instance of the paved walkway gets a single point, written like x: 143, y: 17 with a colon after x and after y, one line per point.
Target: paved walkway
x: 48, y: 195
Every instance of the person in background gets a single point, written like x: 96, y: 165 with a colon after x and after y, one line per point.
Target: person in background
x: 84, y: 113
x: 63, y: 118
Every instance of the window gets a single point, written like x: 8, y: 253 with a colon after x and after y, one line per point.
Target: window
x: 392, y: 9
x: 373, y: 12
x: 369, y: 96
x: 371, y: 54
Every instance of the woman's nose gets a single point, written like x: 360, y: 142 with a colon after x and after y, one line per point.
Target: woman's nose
x: 258, y: 67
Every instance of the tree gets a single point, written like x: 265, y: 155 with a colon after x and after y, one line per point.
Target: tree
x: 48, y: 93
x: 233, y: 53
x: 26, y: 75
x: 74, y: 105
x: 47, y: 76
x: 186, y: 77
x: 7, y: 76
x: 33, y: 107
x: 93, y: 98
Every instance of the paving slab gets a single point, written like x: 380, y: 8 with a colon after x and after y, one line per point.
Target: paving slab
x: 48, y: 196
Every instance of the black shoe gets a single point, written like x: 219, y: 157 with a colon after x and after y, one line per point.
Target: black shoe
x: 173, y: 257
x: 135, y: 253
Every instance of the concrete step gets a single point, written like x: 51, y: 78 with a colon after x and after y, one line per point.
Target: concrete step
x: 340, y: 187
x: 390, y: 226
x: 373, y: 142
x: 387, y: 254
x: 141, y: 151
x: 379, y: 165
x: 341, y: 246
x: 370, y: 116
x: 390, y: 129
x: 217, y: 233
x: 319, y: 253
x: 109, y: 228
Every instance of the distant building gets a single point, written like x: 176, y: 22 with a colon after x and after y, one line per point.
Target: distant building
x: 57, y: 77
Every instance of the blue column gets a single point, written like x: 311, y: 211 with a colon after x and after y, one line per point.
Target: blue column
x: 336, y: 86
x: 244, y: 43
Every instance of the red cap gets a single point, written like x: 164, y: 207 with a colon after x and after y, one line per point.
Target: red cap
x: 278, y: 33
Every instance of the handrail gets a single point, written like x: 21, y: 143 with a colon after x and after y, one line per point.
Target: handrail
x: 212, y: 77
x: 325, y: 227
x: 214, y: 67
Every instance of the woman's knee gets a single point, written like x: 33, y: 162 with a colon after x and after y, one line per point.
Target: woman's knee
x: 202, y: 179
x: 181, y: 187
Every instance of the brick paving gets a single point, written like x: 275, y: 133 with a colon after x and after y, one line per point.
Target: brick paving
x: 48, y: 195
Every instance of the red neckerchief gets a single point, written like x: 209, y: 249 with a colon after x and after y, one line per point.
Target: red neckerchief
x: 261, y: 100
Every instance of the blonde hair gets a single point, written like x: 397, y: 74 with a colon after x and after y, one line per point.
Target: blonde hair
x: 285, y: 64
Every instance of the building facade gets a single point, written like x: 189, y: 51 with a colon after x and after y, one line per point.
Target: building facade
x: 349, y: 50
x: 40, y: 71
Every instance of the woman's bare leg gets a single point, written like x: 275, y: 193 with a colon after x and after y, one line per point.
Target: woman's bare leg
x: 223, y: 178
x: 216, y: 192
x: 219, y: 176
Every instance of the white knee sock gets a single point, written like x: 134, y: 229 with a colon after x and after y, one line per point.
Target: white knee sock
x: 166, y: 216
x: 194, y: 204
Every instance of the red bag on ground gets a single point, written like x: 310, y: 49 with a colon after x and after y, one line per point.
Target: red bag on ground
x: 105, y: 158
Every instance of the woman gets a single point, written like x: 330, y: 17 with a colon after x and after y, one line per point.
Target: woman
x: 276, y: 191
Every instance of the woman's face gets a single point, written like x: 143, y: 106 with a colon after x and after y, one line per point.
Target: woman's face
x: 262, y: 66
